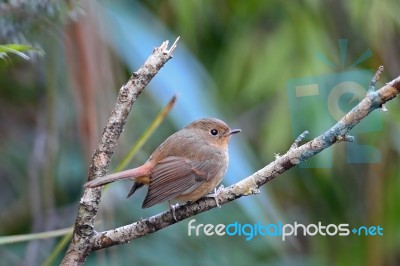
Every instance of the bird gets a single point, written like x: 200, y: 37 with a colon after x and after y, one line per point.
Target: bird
x: 187, y: 166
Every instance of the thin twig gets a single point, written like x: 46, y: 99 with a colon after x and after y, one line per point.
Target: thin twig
x: 375, y: 79
x: 372, y: 85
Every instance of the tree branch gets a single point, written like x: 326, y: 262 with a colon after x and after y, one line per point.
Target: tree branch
x: 250, y: 185
x: 81, y: 243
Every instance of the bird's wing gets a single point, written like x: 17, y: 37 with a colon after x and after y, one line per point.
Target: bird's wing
x: 174, y: 176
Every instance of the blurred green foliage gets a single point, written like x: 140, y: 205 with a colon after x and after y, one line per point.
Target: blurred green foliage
x: 53, y: 109
x: 17, y: 49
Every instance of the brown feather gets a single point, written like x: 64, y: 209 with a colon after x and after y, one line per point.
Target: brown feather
x: 141, y: 174
x: 174, y: 176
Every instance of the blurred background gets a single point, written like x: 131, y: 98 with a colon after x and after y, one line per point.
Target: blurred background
x: 240, y: 61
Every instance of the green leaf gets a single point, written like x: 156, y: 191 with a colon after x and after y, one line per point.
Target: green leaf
x: 4, y: 240
x: 18, y: 49
x: 146, y: 135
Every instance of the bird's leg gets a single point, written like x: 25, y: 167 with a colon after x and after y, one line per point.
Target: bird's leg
x: 215, y: 194
x: 172, y: 208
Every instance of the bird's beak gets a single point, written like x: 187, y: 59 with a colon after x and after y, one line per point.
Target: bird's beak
x: 234, y: 131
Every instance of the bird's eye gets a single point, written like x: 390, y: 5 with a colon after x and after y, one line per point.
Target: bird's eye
x: 214, y: 132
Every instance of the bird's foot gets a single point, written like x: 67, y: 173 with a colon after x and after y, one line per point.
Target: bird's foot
x: 172, y: 207
x: 215, y: 194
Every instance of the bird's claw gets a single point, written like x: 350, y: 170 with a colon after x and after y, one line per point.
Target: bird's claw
x: 172, y: 207
x: 215, y: 195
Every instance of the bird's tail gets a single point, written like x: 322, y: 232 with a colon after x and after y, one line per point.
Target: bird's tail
x: 127, y: 174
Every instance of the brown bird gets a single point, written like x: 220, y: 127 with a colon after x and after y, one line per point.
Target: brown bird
x: 185, y: 167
